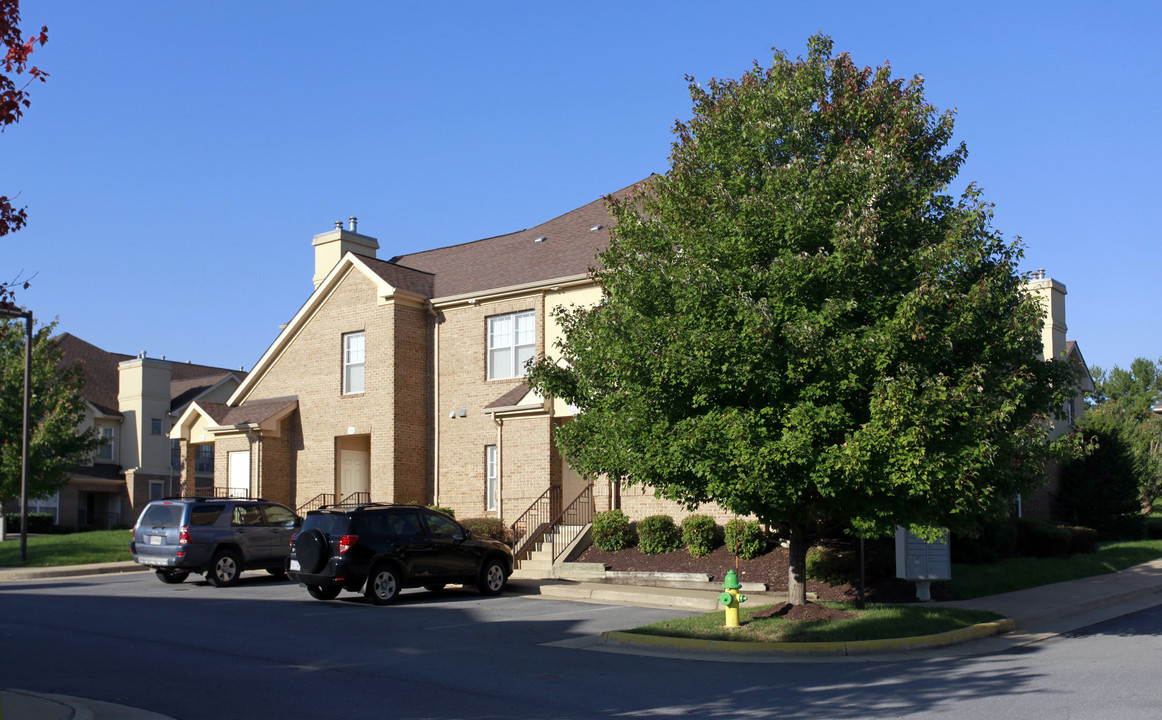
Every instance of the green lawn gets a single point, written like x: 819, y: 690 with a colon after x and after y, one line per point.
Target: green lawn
x: 876, y: 622
x: 72, y: 549
x: 972, y: 581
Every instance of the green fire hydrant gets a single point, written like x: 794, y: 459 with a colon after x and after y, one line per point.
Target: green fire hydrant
x: 731, y: 597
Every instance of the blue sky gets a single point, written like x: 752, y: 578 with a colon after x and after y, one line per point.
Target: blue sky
x: 183, y: 154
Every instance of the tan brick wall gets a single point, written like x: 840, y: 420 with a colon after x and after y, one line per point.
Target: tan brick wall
x: 392, y: 410
x: 463, y: 383
x: 275, y: 479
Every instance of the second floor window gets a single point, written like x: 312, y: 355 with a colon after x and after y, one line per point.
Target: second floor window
x: 175, y: 454
x: 353, y: 363
x: 105, y: 452
x: 512, y: 340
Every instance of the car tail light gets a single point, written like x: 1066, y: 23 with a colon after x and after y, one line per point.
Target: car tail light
x: 292, y: 540
x: 184, y: 535
x: 346, y: 542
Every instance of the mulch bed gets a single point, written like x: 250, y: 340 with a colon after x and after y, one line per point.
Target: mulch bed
x: 770, y: 568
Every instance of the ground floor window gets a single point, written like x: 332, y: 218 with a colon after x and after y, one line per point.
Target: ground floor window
x: 204, y: 460
x: 156, y: 489
x: 48, y: 505
x: 492, y: 478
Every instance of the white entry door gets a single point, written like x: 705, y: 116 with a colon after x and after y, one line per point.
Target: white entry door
x: 354, y: 473
x: 238, y: 479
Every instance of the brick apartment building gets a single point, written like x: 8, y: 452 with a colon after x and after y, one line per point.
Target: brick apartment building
x: 401, y: 379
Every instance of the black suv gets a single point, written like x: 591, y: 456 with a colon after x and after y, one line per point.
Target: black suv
x: 382, y: 548
x: 220, y: 537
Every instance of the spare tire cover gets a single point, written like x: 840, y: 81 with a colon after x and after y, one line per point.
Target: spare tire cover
x: 312, y: 550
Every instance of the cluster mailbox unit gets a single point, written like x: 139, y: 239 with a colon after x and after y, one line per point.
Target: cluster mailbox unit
x: 921, y: 561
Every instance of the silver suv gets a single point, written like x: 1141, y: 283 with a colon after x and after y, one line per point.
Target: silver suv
x: 220, y: 537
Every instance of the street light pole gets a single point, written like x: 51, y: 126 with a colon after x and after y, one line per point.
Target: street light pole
x: 8, y: 310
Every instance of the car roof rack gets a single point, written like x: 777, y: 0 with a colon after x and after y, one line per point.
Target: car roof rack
x: 211, y: 498
x: 360, y: 505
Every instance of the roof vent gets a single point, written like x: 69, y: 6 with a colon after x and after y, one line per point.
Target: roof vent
x: 595, y: 228
x: 352, y: 220
x: 338, y: 224
x: 541, y: 239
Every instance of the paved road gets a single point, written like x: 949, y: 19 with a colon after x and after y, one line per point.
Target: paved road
x: 265, y: 650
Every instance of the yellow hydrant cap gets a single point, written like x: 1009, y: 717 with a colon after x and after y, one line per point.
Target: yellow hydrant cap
x: 731, y: 582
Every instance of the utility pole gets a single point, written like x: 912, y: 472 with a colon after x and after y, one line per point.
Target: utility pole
x: 8, y: 310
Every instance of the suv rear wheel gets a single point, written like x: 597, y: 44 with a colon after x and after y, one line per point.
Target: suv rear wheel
x: 172, y: 577
x: 324, y: 592
x: 382, y: 585
x: 224, y: 568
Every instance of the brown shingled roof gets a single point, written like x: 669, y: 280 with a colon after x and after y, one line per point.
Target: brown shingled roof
x: 99, y: 367
x: 568, y: 249
x: 250, y: 412
x: 187, y: 380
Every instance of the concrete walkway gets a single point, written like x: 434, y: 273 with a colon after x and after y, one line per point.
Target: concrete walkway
x: 1037, y: 614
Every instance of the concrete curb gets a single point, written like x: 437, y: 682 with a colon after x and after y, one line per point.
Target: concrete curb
x: 858, y: 647
x: 59, y: 571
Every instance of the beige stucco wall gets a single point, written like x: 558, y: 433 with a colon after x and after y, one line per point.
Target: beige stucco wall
x: 144, y: 395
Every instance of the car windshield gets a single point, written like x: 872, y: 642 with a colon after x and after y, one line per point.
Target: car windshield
x: 329, y: 523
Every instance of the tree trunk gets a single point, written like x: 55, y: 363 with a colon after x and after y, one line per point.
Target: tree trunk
x: 797, y: 566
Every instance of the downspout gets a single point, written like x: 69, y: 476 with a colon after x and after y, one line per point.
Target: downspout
x: 435, y: 406
x: 499, y: 465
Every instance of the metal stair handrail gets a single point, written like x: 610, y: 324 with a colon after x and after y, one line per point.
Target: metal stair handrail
x: 529, y: 527
x: 316, y: 502
x: 576, y: 517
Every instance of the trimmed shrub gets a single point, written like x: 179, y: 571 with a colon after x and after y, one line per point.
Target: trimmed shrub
x: 447, y: 511
x: 995, y: 539
x: 39, y: 523
x: 701, y: 535
x: 1082, y: 540
x: 829, y: 565
x: 491, y: 528
x: 612, y: 531
x: 744, y: 539
x: 658, y: 534
x: 1039, y: 538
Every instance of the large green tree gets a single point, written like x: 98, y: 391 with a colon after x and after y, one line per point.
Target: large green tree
x: 1125, y: 400
x: 798, y: 322
x: 57, y: 411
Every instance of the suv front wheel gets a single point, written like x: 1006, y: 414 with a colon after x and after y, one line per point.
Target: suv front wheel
x: 224, y: 568
x: 492, y: 578
x: 382, y: 585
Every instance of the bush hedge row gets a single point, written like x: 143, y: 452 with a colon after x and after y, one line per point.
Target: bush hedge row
x: 657, y: 534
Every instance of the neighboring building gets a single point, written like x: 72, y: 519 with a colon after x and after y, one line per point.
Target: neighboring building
x: 131, y: 403
x: 1043, y: 502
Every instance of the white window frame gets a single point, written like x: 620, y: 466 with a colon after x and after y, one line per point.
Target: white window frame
x: 512, y: 340
x: 491, y: 478
x: 156, y: 489
x: 108, y: 435
x: 354, y: 363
